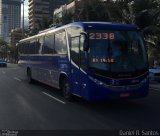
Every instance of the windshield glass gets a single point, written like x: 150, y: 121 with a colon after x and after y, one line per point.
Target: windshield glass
x: 117, y: 51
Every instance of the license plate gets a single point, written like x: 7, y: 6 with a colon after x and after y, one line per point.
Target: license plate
x: 124, y: 95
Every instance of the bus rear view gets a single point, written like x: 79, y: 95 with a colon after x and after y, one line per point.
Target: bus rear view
x: 117, y: 62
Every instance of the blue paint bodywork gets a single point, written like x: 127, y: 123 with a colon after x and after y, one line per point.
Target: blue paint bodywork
x: 86, y: 84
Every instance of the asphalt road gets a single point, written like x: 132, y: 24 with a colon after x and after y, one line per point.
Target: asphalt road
x: 25, y: 106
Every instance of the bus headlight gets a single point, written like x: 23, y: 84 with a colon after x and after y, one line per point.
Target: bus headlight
x: 97, y: 81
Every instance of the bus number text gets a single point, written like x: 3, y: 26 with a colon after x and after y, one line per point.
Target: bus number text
x: 99, y: 36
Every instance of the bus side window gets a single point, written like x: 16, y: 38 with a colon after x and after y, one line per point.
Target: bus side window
x: 48, y: 47
x: 26, y: 48
x: 83, y: 56
x: 75, y: 50
x: 40, y: 44
x: 60, y: 43
x: 37, y: 46
x: 32, y: 47
x: 20, y: 48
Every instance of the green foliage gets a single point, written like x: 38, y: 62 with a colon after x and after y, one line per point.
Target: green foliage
x: 6, y: 49
x: 44, y: 23
x: 67, y: 18
x: 3, y: 43
x: 3, y: 48
x: 93, y: 10
x: 153, y: 52
x: 141, y: 5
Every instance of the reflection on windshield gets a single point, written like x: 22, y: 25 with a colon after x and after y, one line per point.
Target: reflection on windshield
x: 124, y: 53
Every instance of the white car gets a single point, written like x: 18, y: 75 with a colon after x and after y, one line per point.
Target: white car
x: 154, y: 74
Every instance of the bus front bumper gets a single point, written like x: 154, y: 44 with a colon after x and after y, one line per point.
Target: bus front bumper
x: 100, y: 92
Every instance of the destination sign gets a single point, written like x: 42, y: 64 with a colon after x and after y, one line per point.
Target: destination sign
x: 102, y: 36
x: 103, y: 60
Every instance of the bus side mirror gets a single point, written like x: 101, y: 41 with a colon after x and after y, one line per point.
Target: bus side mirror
x: 84, y: 41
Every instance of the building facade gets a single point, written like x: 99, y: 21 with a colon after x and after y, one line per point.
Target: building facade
x: 40, y: 10
x: 73, y: 8
x: 10, y: 17
x: 16, y: 35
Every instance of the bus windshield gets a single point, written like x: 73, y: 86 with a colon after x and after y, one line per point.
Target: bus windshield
x: 117, y: 51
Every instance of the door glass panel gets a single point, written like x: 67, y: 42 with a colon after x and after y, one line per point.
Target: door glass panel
x: 75, y: 50
x: 83, y: 56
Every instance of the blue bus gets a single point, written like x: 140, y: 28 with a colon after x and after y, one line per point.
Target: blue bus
x: 96, y: 61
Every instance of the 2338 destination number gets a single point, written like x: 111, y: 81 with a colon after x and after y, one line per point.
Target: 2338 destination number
x: 101, y: 36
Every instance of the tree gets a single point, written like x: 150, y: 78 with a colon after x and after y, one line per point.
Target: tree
x: 92, y: 10
x: 3, y: 48
x: 120, y: 11
x: 143, y: 13
x: 67, y: 18
x: 43, y: 24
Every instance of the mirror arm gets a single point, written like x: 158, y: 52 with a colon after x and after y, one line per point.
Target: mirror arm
x: 85, y: 44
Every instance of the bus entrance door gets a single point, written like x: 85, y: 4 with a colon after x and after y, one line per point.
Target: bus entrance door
x: 75, y: 65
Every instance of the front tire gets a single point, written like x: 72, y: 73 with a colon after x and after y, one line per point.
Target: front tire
x: 65, y: 87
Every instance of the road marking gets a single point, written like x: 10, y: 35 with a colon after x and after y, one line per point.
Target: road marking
x: 3, y: 72
x: 11, y: 68
x: 15, y: 78
x: 54, y: 98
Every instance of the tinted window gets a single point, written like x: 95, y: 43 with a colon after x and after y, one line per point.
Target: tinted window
x: 20, y: 48
x: 32, y: 47
x: 37, y: 48
x: 26, y: 48
x: 74, y: 31
x: 75, y: 50
x: 83, y: 58
x: 49, y: 42
x: 40, y: 45
x: 117, y: 51
x: 60, y: 43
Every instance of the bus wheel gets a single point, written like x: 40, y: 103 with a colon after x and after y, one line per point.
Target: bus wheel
x: 66, y: 90
x: 29, y: 76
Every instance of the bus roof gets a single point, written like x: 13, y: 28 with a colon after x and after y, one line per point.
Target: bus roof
x: 88, y: 25
x: 105, y: 25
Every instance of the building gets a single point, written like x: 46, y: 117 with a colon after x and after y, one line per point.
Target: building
x: 16, y: 35
x: 41, y: 9
x: 73, y: 12
x: 10, y: 17
x: 73, y: 8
